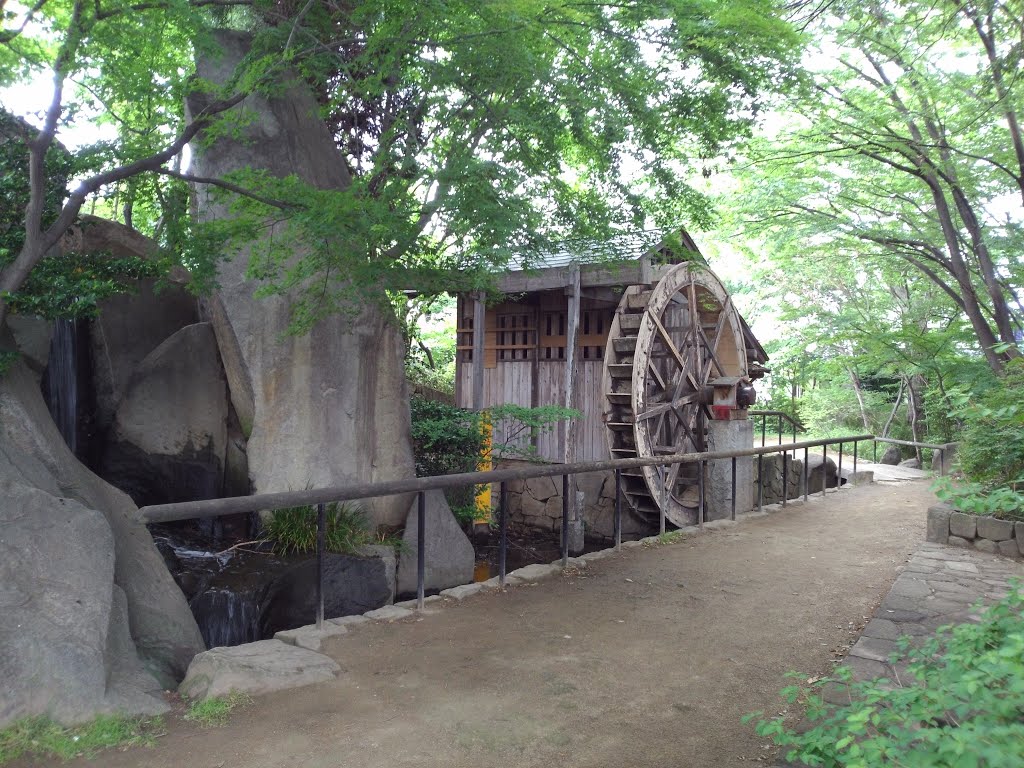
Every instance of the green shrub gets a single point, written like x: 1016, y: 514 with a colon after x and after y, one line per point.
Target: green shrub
x: 293, y: 529
x: 991, y: 446
x: 962, y: 705
x: 1006, y: 502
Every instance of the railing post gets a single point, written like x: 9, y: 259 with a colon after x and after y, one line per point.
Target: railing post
x: 874, y: 451
x: 780, y: 429
x: 617, y: 525
x: 700, y: 494
x: 502, y: 532
x: 421, y: 547
x: 785, y: 478
x: 942, y: 462
x: 764, y: 422
x: 824, y: 469
x: 839, y: 469
x: 565, y: 521
x: 794, y: 438
x: 733, y: 488
x: 321, y: 545
x: 855, y: 457
x: 664, y: 499
x: 760, y: 481
x: 807, y: 475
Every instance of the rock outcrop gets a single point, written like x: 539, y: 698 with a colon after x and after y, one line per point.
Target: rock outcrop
x: 83, y: 586
x: 168, y: 440
x: 321, y: 409
x: 449, y: 554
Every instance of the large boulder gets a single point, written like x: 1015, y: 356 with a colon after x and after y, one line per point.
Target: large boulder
x: 328, y: 407
x: 450, y: 558
x: 169, y: 437
x: 33, y: 454
x: 892, y: 455
x: 351, y: 585
x: 819, y: 471
x: 129, y: 327
x: 66, y: 647
x: 269, y: 665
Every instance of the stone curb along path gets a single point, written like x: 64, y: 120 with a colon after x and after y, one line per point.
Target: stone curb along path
x: 293, y: 659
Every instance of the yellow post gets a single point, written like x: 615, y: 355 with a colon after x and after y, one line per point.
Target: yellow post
x: 483, y: 499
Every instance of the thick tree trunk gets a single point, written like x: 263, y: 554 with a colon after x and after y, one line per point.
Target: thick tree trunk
x: 329, y: 407
x: 859, y: 390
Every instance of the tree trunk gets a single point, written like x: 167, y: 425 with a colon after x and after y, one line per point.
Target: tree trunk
x: 859, y: 390
x: 329, y: 407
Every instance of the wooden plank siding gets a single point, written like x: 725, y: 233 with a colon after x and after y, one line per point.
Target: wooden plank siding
x: 540, y: 379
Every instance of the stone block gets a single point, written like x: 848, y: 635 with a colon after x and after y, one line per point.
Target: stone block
x: 449, y: 555
x: 462, y: 592
x: 963, y: 525
x: 985, y: 545
x: 350, y: 621
x: 938, y: 523
x: 994, y: 529
x: 534, y: 572
x: 261, y: 667
x: 389, y: 613
x: 875, y: 648
x: 310, y: 637
x: 1008, y: 548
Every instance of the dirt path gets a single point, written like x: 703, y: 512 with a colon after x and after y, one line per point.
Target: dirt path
x: 649, y: 658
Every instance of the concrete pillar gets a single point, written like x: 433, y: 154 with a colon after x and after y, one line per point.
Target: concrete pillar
x: 729, y: 436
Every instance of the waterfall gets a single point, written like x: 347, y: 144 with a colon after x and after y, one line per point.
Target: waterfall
x: 227, y: 617
x: 62, y: 380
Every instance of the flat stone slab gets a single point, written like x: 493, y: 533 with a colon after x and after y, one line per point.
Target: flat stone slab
x: 535, y: 572
x: 255, y: 668
x: 463, y: 591
x: 389, y: 613
x: 350, y: 621
x: 939, y: 586
x: 310, y: 637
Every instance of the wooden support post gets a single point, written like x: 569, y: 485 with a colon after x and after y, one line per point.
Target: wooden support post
x: 479, y: 320
x: 569, y: 427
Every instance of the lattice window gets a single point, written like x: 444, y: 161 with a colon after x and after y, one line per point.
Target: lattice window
x: 464, y: 339
x: 552, y: 336
x: 594, y: 324
x: 516, y: 336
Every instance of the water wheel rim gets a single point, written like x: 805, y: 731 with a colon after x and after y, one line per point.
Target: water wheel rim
x: 691, y: 360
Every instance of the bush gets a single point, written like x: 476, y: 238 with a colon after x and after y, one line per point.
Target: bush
x: 963, y: 705
x: 293, y: 529
x: 991, y: 449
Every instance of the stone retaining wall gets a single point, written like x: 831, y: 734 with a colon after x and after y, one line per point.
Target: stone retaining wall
x: 987, y: 534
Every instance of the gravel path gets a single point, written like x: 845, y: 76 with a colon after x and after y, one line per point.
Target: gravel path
x: 646, y: 658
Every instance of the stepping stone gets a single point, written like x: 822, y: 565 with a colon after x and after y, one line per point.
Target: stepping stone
x: 255, y: 668
x: 310, y: 637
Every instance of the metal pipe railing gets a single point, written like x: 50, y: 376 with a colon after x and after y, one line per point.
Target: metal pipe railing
x: 162, y: 513
x: 941, y: 448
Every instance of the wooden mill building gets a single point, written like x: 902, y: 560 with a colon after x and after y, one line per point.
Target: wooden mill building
x: 635, y: 333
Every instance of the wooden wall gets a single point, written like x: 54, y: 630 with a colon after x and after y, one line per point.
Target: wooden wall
x: 540, y: 379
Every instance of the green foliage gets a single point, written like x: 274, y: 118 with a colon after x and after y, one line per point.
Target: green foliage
x: 470, y: 130
x: 521, y: 425
x: 214, y: 711
x: 960, y: 707
x: 991, y: 449
x: 1005, y: 502
x: 41, y: 738
x: 293, y: 529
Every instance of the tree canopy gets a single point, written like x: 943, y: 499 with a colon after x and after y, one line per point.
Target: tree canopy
x: 901, y: 164
x: 469, y: 129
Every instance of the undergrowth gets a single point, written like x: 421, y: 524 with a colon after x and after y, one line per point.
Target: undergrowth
x: 293, y: 529
x: 961, y: 706
x: 40, y: 737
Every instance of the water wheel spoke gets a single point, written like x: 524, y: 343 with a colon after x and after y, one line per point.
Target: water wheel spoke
x: 659, y: 409
x: 667, y: 339
x: 657, y: 376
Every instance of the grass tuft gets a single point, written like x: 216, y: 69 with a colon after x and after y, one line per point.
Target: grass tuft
x: 214, y: 711
x: 40, y: 737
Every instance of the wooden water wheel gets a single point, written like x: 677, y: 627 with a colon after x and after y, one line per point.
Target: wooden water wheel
x: 665, y: 345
